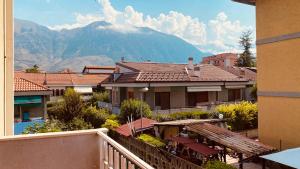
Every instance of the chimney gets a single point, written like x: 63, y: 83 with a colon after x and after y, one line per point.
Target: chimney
x: 122, y: 59
x: 227, y: 62
x: 190, y: 63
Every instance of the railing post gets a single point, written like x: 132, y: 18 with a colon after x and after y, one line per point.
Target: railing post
x: 102, y: 150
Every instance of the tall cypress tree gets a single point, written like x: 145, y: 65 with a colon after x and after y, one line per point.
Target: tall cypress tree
x: 245, y: 58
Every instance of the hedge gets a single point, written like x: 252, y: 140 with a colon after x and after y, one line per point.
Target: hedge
x: 241, y: 116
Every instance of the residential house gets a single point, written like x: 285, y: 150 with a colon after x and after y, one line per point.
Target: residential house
x: 227, y: 62
x: 278, y: 40
x: 222, y: 60
x: 29, y: 103
x: 59, y: 82
x: 173, y: 86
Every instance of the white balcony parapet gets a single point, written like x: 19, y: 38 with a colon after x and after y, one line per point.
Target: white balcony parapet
x: 115, y: 156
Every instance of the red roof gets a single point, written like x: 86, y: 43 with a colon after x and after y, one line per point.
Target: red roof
x: 165, y: 72
x: 64, y: 79
x: 241, y: 71
x: 125, y: 130
x: 23, y: 85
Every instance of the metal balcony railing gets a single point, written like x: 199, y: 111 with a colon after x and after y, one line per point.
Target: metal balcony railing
x: 115, y: 156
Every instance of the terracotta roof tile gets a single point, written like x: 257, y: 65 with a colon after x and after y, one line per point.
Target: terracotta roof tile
x: 23, y: 85
x: 164, y: 72
x: 125, y: 130
x: 241, y: 72
x: 66, y: 79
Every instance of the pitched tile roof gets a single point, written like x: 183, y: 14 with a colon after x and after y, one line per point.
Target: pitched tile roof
x: 23, y: 85
x: 152, y: 66
x: 241, y: 72
x: 165, y: 72
x: 65, y: 79
x: 125, y: 130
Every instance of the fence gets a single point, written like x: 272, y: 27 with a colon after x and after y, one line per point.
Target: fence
x: 156, y: 157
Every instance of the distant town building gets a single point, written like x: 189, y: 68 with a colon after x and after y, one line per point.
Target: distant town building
x: 222, y: 60
x: 29, y: 103
x: 59, y: 82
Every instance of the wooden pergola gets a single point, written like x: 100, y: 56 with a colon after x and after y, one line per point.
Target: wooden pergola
x: 241, y: 144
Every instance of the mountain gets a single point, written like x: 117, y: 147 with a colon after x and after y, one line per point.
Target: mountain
x: 99, y: 43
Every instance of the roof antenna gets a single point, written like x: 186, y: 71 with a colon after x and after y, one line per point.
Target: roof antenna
x: 45, y: 80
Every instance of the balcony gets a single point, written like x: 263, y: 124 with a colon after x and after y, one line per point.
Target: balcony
x: 86, y: 149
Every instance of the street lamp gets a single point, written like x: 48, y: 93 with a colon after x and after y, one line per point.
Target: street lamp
x: 143, y: 90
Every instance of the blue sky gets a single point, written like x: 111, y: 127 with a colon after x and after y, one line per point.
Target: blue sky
x: 211, y: 25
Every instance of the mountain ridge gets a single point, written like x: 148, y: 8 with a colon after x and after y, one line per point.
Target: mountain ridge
x: 99, y: 43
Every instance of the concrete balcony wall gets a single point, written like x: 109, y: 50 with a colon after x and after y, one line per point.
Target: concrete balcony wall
x: 66, y: 150
x: 85, y: 149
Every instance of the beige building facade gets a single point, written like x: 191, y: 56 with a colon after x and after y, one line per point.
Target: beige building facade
x: 6, y: 68
x: 278, y: 60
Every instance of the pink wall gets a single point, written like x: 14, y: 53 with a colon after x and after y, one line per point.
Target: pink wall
x: 75, y: 150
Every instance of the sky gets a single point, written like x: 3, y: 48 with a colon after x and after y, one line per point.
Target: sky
x: 211, y: 25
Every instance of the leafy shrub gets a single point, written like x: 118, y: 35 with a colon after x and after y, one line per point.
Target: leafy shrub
x: 66, y: 110
x: 74, y: 115
x: 217, y: 165
x: 182, y: 115
x: 111, y: 124
x: 99, y: 96
x: 48, y: 126
x: 134, y: 107
x: 241, y: 116
x: 151, y: 140
x: 77, y: 124
x: 96, y: 117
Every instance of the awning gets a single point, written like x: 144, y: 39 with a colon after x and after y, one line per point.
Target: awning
x: 27, y: 99
x: 290, y: 157
x: 235, y: 86
x: 204, y: 88
x: 183, y: 140
x: 202, y: 149
x: 83, y: 89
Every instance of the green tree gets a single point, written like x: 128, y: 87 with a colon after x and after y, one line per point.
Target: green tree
x: 96, y: 117
x: 134, y: 107
x: 99, y: 96
x: 71, y: 107
x: 246, y: 58
x: 33, y: 69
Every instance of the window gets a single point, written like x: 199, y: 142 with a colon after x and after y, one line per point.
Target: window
x: 234, y: 95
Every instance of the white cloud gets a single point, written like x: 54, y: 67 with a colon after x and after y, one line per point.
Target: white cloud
x: 218, y: 35
x: 81, y: 21
x: 224, y: 34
